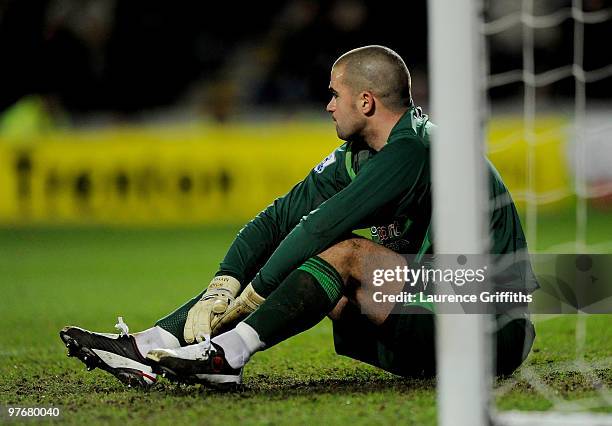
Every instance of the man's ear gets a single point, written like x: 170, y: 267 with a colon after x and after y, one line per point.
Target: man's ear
x: 366, y: 103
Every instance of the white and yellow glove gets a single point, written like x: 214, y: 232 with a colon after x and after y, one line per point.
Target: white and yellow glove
x: 204, y: 316
x: 239, y: 309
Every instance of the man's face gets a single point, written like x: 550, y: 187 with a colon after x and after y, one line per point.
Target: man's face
x: 343, y: 107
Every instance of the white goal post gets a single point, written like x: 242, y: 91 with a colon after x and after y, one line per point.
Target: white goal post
x: 459, y: 207
x: 458, y: 84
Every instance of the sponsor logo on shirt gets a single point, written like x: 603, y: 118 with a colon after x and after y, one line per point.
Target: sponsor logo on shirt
x: 386, y: 232
x: 330, y: 159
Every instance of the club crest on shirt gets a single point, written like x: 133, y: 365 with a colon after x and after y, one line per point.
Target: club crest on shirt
x: 330, y: 159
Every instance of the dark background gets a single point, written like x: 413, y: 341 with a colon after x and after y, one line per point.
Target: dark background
x: 221, y: 58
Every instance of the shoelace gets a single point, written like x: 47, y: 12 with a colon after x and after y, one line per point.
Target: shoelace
x: 122, y: 327
x: 207, y: 348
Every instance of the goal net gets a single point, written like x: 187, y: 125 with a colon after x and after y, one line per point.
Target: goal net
x: 530, y: 84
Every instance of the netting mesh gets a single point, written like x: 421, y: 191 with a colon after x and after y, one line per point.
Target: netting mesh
x: 543, y: 111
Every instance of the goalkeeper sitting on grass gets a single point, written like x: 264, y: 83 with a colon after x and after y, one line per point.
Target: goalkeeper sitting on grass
x: 297, y: 261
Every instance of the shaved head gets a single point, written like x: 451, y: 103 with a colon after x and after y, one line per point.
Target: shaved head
x: 379, y: 70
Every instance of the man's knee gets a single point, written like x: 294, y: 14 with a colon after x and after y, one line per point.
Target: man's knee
x: 344, y: 255
x: 346, y: 248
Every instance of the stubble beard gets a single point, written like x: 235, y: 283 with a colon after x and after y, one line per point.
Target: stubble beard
x: 340, y: 134
x: 354, y: 134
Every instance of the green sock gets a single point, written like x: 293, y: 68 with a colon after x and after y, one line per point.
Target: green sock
x: 301, y: 301
x: 174, y: 322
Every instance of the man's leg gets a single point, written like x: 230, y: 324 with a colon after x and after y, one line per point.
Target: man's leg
x: 298, y: 303
x: 315, y: 288
x: 174, y: 322
x: 404, y: 341
x: 123, y: 355
x: 303, y: 299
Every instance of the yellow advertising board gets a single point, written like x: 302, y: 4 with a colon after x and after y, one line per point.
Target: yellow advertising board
x: 205, y: 174
x: 166, y: 176
x: 532, y: 162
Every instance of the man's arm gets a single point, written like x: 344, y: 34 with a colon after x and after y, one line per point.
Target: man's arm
x: 254, y: 244
x: 400, y: 169
x: 260, y: 237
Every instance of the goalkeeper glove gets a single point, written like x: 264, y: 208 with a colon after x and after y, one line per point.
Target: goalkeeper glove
x: 239, y: 309
x: 203, y: 317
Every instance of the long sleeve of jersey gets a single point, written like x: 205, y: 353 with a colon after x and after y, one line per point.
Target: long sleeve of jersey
x: 399, y: 172
x: 258, y: 239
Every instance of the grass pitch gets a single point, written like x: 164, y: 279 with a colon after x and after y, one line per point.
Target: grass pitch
x: 88, y: 277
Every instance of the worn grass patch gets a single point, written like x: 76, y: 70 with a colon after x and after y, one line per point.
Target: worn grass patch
x: 87, y: 277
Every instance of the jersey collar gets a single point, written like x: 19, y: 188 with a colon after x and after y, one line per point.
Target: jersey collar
x: 406, y: 124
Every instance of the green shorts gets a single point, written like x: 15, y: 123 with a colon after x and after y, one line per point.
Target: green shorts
x: 405, y: 343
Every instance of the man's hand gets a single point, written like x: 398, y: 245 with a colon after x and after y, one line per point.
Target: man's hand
x: 239, y: 309
x: 204, y: 315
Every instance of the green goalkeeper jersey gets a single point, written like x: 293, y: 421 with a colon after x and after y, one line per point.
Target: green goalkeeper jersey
x: 353, y: 188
